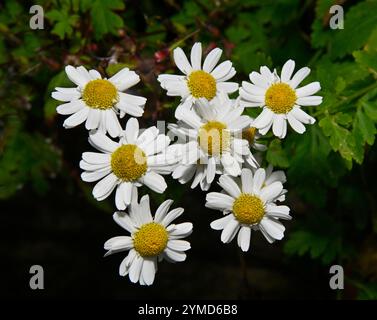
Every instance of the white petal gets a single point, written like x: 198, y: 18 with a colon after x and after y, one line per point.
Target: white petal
x: 227, y: 87
x: 174, y: 255
x: 309, y: 101
x: 258, y: 80
x: 145, y: 210
x: 302, y: 116
x: 148, y: 270
x: 278, y: 125
x: 295, y: 124
x: 96, y: 158
x: 154, y: 181
x: 132, y: 130
x: 271, y: 191
x: 75, y: 76
x: 181, y: 61
x: 274, y: 228
x: 92, y: 122
x: 102, y: 143
x: 299, y: 76
x: 211, y: 169
x: 70, y: 107
x: 77, y: 118
x: 181, y: 230
x: 221, y: 223
x: 211, y: 60
x: 230, y: 231
x: 308, y: 90
x: 220, y: 201
x: 104, y: 186
x: 124, y: 221
x: 230, y: 164
x: 171, y: 216
x: 259, y: 178
x: 91, y: 176
x: 196, y: 56
x: 247, y: 181
x: 222, y: 69
x: 179, y: 245
x: 243, y: 238
x: 124, y: 79
x: 281, y: 212
x: 228, y: 184
x: 287, y: 71
x: 263, y: 119
x: 135, y: 269
x: 112, y: 124
x: 162, y: 210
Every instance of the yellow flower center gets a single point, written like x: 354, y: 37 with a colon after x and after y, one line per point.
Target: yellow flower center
x: 280, y: 98
x: 202, y: 85
x: 214, y: 139
x: 151, y: 239
x: 128, y: 162
x: 249, y: 134
x: 248, y: 209
x: 100, y: 94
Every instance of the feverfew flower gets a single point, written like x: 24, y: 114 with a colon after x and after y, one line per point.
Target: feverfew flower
x: 97, y: 101
x: 152, y: 239
x: 248, y: 205
x: 125, y: 165
x: 213, y: 144
x: 280, y: 99
x: 198, y: 81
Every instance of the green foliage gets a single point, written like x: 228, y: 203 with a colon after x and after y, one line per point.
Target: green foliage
x: 64, y: 22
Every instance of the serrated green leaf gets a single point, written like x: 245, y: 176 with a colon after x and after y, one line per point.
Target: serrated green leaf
x: 64, y: 22
x: 104, y: 20
x: 276, y: 155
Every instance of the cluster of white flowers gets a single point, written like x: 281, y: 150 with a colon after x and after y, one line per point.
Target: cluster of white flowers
x: 213, y: 138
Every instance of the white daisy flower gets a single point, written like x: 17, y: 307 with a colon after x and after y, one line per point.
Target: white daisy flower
x: 152, y: 239
x: 97, y: 101
x: 198, y: 81
x: 251, y: 134
x: 213, y: 142
x: 280, y: 98
x: 247, y: 206
x: 125, y: 165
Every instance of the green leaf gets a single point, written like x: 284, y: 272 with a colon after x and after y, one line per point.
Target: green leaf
x: 358, y: 26
x: 104, y: 20
x: 276, y: 155
x: 365, y: 126
x: 341, y: 139
x: 64, y: 22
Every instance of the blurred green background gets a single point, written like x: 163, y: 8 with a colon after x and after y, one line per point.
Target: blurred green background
x: 48, y: 215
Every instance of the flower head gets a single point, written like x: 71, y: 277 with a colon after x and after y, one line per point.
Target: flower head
x: 199, y: 81
x: 280, y: 99
x: 248, y: 204
x: 125, y: 165
x: 151, y: 239
x: 211, y: 142
x: 98, y: 101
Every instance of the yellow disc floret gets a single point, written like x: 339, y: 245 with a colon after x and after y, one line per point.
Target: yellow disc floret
x: 129, y: 162
x: 280, y: 98
x: 151, y: 239
x: 248, y: 209
x: 100, y: 94
x: 214, y: 138
x: 202, y: 85
x: 249, y: 134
